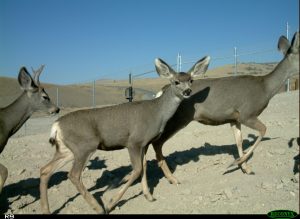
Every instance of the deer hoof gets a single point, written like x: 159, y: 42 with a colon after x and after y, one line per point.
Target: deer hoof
x: 108, y: 207
x: 234, y: 163
x: 46, y: 212
x: 150, y: 198
x: 173, y: 181
x: 247, y: 170
x: 101, y: 211
x: 107, y: 210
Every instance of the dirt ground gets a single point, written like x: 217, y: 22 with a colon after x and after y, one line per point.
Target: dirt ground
x: 198, y: 155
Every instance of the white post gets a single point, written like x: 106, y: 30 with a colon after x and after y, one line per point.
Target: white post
x: 178, y: 62
x: 94, y: 94
x: 287, y: 36
x: 57, y: 102
x: 287, y: 30
x: 235, y: 62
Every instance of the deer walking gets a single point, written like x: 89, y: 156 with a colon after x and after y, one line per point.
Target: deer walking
x: 12, y: 117
x: 134, y: 125
x: 235, y: 100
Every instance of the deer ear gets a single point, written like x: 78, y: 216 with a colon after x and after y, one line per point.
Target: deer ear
x: 163, y: 69
x: 295, y: 43
x: 25, y: 80
x: 283, y: 44
x: 36, y: 74
x: 200, y: 67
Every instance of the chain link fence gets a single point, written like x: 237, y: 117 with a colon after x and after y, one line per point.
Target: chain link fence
x: 106, y: 92
x: 145, y: 82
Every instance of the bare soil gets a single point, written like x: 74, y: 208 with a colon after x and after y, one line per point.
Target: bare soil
x: 198, y: 156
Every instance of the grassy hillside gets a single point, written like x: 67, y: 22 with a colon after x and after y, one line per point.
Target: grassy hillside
x: 113, y: 91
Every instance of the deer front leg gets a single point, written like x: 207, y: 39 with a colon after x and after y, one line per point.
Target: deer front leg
x: 163, y: 164
x: 145, y: 187
x: 3, y: 176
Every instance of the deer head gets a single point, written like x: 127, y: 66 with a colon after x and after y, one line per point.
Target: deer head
x: 181, y: 82
x: 291, y: 52
x: 37, y: 96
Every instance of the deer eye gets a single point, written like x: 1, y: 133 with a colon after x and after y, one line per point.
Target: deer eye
x: 177, y: 82
x: 191, y: 81
x: 45, y: 97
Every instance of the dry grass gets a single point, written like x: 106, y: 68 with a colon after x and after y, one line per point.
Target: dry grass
x: 113, y: 91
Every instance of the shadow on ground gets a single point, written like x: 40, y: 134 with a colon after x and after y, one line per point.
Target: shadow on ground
x: 30, y: 186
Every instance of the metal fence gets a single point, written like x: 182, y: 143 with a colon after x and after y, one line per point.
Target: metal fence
x: 95, y: 93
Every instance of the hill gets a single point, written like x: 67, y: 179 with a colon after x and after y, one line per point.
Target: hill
x: 113, y: 91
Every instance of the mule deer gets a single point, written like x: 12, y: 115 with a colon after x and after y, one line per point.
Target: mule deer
x: 16, y: 114
x: 235, y: 100
x: 134, y: 125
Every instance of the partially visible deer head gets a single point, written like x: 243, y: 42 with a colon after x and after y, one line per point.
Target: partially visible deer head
x: 37, y: 95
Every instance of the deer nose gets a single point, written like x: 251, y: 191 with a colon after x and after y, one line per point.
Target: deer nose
x: 187, y: 92
x: 57, y: 110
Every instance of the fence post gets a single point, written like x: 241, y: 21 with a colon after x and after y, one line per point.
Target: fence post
x: 297, y: 84
x: 235, y: 62
x: 94, y: 94
x: 287, y: 36
x: 178, y: 62
x: 57, y: 102
x: 130, y: 97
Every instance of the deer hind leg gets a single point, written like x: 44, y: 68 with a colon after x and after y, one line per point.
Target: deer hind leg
x: 236, y: 128
x: 145, y: 187
x: 61, y: 157
x: 144, y: 176
x: 255, y: 124
x: 3, y: 176
x: 75, y: 175
x: 163, y: 164
x: 135, y: 154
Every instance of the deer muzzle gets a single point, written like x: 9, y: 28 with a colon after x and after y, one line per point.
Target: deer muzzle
x: 187, y: 92
x: 54, y: 110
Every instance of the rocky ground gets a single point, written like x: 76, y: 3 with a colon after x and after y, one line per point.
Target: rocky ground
x: 198, y: 155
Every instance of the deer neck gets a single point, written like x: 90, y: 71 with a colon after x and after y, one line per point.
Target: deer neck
x: 276, y: 79
x: 168, y: 104
x: 16, y: 114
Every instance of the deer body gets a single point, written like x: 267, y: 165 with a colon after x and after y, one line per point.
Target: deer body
x: 124, y: 119
x: 134, y: 126
x: 234, y: 100
x: 208, y: 112
x: 17, y: 113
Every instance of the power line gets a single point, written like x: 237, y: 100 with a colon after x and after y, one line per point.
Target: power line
x: 187, y: 61
x: 192, y: 60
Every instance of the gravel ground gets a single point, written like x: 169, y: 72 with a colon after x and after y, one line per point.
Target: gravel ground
x: 198, y: 155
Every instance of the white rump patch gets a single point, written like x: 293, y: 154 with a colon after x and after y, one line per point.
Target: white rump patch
x: 159, y: 93
x: 54, y: 129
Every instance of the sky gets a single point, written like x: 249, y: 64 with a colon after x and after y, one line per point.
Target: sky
x: 86, y: 40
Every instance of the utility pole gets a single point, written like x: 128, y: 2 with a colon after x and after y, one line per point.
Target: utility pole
x: 94, y: 83
x: 287, y: 36
x: 178, y: 62
x: 57, y: 102
x: 235, y: 62
x: 128, y: 91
